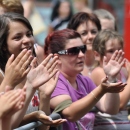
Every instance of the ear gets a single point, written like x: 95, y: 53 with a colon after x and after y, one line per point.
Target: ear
x: 97, y: 56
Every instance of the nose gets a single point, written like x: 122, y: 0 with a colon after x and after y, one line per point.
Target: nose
x: 26, y: 40
x: 90, y: 36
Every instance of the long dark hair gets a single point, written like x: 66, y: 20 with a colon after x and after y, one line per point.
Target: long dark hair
x: 5, y: 19
x: 55, y: 13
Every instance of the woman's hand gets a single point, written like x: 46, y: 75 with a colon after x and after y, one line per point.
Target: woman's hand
x: 49, y: 86
x: 11, y: 101
x: 41, y: 116
x: 43, y: 72
x: 17, y: 69
x: 114, y: 65
x: 112, y: 87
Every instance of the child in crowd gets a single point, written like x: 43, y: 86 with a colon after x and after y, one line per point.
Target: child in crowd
x: 105, y: 44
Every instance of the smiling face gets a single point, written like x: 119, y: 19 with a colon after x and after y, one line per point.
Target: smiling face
x: 19, y: 38
x: 72, y: 64
x: 88, y: 32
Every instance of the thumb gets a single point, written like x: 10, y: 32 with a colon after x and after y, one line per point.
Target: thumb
x: 7, y: 88
x: 104, y: 80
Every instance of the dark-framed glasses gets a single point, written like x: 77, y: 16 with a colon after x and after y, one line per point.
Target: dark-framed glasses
x: 73, y: 50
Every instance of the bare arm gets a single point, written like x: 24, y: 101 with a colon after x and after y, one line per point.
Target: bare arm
x: 79, y: 108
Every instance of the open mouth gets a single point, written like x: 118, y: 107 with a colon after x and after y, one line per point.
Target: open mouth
x: 28, y: 48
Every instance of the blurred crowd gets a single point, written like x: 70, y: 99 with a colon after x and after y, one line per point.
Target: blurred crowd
x: 79, y: 71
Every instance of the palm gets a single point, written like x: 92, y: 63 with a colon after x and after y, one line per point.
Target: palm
x: 49, y: 86
x: 112, y: 68
x: 43, y: 72
x: 114, y: 65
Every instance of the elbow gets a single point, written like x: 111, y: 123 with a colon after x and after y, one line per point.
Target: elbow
x: 122, y: 106
x: 112, y: 112
x: 70, y: 116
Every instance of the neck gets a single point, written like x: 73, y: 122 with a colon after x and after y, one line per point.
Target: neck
x: 70, y: 78
x: 90, y: 58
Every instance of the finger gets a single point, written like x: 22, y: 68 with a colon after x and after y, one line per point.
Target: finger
x: 10, y: 60
x: 114, y: 55
x: 49, y: 64
x: 53, y: 73
x: 104, y: 80
x: 25, y: 58
x: 18, y: 58
x: 121, y: 58
x: 52, y: 68
x: 7, y: 88
x: 123, y: 62
x: 27, y: 62
x: 46, y: 60
x: 34, y: 63
x: 119, y: 54
x: 26, y: 71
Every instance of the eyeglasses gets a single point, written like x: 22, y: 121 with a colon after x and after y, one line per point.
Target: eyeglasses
x: 73, y: 50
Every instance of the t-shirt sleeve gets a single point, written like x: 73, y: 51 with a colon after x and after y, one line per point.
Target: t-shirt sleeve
x: 61, y: 89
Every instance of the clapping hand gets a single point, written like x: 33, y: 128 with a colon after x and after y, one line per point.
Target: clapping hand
x: 112, y: 87
x: 40, y: 74
x: 17, y: 69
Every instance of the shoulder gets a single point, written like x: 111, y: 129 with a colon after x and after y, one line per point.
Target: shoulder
x: 97, y: 74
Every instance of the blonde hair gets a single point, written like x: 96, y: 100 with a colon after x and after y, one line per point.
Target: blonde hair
x: 105, y: 14
x: 12, y: 6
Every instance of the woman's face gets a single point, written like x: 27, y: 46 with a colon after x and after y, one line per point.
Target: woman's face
x: 19, y: 38
x: 88, y: 32
x: 72, y: 64
x: 111, y: 46
x: 64, y: 8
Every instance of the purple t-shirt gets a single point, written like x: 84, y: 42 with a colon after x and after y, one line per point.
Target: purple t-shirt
x: 63, y: 87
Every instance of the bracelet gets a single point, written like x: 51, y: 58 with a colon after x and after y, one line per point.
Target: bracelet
x: 94, y: 96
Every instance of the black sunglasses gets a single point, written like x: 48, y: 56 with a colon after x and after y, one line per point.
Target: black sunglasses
x: 73, y: 50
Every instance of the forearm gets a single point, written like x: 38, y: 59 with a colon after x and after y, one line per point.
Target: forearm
x: 111, y: 103
x: 5, y: 123
x: 44, y: 103
x: 125, y: 95
x: 79, y: 108
x: 45, y: 107
x: 17, y: 118
x: 4, y: 84
x: 31, y: 117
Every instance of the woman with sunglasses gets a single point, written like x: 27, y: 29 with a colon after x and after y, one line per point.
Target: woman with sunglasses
x: 88, y: 26
x: 75, y: 95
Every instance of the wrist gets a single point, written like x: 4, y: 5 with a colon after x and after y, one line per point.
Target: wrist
x: 102, y: 89
x: 5, y: 83
x: 112, y: 79
x: 30, y: 86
